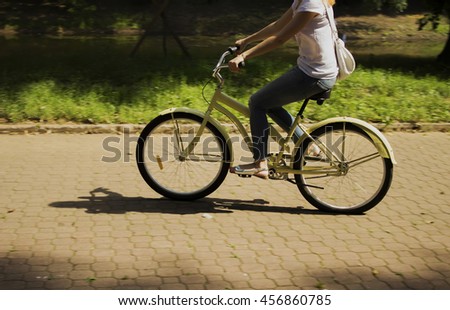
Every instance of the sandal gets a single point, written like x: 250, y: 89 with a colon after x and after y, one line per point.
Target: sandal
x: 262, y: 173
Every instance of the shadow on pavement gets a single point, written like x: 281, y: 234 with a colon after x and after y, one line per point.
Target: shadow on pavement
x: 102, y: 200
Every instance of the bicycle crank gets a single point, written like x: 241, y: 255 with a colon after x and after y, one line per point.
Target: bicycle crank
x: 274, y: 175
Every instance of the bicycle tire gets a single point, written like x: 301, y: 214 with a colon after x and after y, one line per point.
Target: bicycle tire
x: 358, y: 190
x: 159, y: 163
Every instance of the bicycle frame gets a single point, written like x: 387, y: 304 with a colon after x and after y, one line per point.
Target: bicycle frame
x: 221, y: 100
x: 186, y: 154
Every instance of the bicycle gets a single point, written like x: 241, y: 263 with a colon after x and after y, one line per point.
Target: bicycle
x: 185, y: 154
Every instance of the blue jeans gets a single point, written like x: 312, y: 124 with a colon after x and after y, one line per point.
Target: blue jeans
x: 293, y: 86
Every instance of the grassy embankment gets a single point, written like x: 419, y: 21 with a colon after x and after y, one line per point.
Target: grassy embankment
x: 94, y: 81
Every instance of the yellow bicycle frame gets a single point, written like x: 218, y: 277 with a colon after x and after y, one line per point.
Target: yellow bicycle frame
x: 220, y: 100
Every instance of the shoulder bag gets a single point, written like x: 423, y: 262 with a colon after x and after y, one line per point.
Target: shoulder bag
x: 344, y: 57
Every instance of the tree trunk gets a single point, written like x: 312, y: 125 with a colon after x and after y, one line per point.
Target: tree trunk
x: 155, y: 18
x: 444, y: 56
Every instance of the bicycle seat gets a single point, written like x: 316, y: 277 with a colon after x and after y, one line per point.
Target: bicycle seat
x: 321, y: 97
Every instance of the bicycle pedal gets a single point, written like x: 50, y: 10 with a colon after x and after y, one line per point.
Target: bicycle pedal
x: 245, y: 176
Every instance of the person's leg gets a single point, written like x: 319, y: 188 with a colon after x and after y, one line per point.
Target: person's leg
x: 291, y: 87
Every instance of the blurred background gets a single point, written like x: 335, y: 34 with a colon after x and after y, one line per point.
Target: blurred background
x: 117, y: 61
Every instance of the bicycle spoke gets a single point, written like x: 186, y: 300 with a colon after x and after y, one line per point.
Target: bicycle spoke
x: 362, y: 160
x: 205, y: 158
x: 178, y: 136
x: 343, y: 143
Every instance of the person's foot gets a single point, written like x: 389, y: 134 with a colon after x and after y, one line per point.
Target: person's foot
x: 257, y: 169
x: 315, y: 153
x: 314, y: 150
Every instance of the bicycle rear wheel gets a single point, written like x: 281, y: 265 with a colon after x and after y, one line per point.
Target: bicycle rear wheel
x: 161, y: 164
x: 361, y: 177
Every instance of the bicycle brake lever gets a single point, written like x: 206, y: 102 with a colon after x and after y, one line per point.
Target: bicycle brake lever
x: 233, y: 49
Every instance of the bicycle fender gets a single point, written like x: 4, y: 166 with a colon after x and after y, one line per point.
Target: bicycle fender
x: 215, y: 123
x: 380, y: 141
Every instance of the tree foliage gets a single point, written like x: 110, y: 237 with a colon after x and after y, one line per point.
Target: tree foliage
x: 44, y: 16
x: 88, y: 13
x: 395, y: 5
x: 437, y: 9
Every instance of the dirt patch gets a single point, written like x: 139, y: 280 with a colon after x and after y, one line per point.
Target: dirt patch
x: 387, y: 28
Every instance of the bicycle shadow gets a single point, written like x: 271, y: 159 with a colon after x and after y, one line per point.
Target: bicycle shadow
x: 104, y: 201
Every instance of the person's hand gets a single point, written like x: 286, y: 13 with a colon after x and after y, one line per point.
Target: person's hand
x: 241, y: 44
x: 234, y: 63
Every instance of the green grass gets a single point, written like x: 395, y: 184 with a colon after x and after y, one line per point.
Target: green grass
x: 94, y: 81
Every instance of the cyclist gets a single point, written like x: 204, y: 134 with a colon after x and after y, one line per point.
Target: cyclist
x: 316, y: 71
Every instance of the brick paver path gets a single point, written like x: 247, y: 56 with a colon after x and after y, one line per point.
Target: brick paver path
x: 70, y: 221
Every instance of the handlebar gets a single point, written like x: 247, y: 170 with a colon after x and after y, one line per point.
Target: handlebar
x: 222, y: 65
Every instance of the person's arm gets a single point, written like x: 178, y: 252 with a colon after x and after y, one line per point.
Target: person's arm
x: 267, y: 31
x: 274, y: 40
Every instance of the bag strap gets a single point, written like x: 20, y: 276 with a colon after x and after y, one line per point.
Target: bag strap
x: 298, y: 4
x: 330, y: 16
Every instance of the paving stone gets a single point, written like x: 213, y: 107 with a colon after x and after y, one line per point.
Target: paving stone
x: 70, y: 221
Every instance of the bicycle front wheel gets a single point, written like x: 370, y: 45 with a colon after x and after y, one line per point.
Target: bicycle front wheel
x: 169, y: 170
x: 352, y: 180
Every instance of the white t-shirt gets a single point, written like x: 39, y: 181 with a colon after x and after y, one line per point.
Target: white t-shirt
x: 315, y: 41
